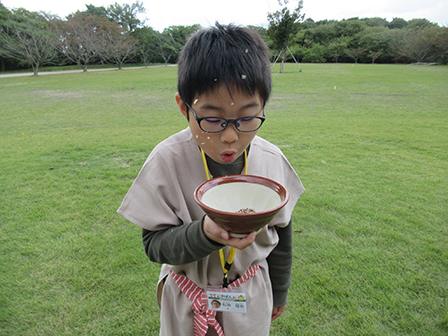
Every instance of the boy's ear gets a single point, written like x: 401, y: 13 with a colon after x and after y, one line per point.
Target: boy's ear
x: 182, y: 106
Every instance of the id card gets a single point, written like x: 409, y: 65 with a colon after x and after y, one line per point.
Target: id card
x: 226, y: 300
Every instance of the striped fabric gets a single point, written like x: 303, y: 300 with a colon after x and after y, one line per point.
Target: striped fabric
x: 204, y: 317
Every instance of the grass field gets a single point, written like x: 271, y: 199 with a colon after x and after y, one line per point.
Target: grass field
x: 370, y: 143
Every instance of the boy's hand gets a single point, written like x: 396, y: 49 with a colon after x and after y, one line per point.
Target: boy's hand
x: 277, y: 311
x: 215, y: 233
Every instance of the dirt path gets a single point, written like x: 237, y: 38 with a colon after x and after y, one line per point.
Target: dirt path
x: 43, y: 73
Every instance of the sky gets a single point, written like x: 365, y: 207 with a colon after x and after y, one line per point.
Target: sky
x: 162, y: 14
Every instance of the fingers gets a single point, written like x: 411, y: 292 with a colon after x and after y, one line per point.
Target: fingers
x: 225, y: 235
x: 215, y: 233
x: 277, y: 311
x: 241, y: 243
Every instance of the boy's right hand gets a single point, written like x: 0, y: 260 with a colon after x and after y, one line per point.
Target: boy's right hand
x: 215, y: 233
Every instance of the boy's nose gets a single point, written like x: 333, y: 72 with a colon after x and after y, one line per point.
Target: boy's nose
x: 230, y: 134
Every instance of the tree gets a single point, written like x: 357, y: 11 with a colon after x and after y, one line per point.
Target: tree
x: 375, y: 22
x: 283, y: 26
x: 126, y: 15
x: 397, y: 45
x: 441, y: 45
x: 418, y: 24
x: 374, y: 55
x: 167, y: 46
x: 79, y: 38
x: 309, y: 24
x: 375, y: 39
x: 337, y: 48
x: 397, y: 23
x: 178, y: 36
x: 5, y: 18
x: 100, y: 11
x: 25, y: 39
x: 322, y: 34
x: 315, y: 54
x: 355, y: 53
x: 418, y: 45
x: 116, y: 46
x: 349, y: 27
x: 146, y: 44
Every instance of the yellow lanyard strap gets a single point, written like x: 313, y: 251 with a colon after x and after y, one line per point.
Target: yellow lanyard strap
x: 204, y: 160
x: 225, y: 265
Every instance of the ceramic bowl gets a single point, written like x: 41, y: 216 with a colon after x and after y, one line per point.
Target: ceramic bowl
x: 241, y: 204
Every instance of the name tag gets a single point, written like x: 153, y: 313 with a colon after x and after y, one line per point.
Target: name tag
x: 227, y: 301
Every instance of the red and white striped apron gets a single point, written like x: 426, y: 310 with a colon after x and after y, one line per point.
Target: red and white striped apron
x: 204, y: 317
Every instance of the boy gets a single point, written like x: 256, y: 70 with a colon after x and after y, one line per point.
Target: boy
x: 224, y: 82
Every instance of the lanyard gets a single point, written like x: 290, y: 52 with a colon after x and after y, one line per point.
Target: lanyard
x: 226, y: 265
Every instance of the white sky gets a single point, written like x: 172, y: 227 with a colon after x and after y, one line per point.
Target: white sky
x: 162, y: 14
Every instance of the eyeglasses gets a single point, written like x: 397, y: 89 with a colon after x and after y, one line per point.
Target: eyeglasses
x: 217, y: 124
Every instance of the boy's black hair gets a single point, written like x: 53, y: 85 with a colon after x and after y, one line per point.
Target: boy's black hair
x: 229, y: 55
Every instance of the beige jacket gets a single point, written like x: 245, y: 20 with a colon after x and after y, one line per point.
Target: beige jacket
x: 162, y: 196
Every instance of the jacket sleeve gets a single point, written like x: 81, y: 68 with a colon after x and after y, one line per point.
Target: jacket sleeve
x: 280, y: 265
x: 178, y: 245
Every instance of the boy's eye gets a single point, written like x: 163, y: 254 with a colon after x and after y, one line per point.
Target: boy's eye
x: 213, y: 120
x: 247, y: 119
x: 211, y: 124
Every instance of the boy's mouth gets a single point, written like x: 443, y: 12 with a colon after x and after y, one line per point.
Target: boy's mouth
x: 228, y: 156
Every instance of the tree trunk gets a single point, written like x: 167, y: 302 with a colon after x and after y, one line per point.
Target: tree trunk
x: 35, y: 69
x: 283, y: 61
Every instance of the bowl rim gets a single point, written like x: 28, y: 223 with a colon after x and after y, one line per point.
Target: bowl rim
x: 240, y: 178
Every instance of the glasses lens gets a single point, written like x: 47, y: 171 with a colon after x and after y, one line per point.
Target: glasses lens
x: 248, y: 124
x: 213, y: 124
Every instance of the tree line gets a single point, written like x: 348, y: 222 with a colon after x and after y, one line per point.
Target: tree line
x: 97, y: 35
x: 355, y: 40
x: 371, y: 40
x: 115, y: 35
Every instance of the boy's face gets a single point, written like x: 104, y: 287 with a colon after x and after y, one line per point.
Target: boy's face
x: 226, y: 146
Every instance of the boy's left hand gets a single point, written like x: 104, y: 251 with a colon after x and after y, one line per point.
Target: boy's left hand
x: 277, y: 311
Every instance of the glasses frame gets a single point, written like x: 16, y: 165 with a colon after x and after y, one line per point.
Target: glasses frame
x: 227, y: 121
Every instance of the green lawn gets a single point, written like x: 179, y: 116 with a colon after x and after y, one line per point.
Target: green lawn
x: 370, y: 143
